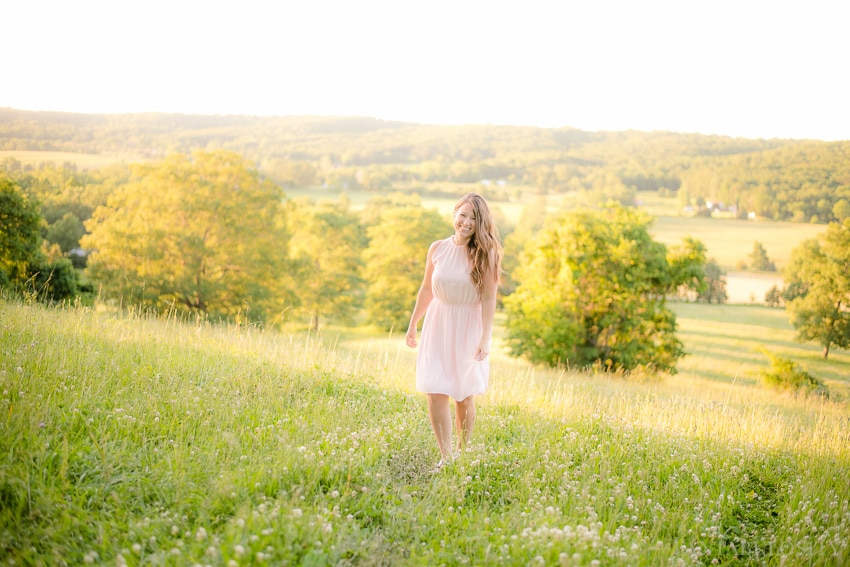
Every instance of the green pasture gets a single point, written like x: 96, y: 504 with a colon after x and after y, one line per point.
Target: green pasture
x: 723, y: 343
x: 133, y: 440
x: 730, y: 241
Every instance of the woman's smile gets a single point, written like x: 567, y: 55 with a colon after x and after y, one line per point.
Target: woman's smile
x: 465, y: 222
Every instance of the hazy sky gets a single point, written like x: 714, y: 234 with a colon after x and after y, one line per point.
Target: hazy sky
x: 748, y: 68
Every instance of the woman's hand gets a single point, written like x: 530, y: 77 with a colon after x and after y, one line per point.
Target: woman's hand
x: 482, y: 350
x: 410, y: 338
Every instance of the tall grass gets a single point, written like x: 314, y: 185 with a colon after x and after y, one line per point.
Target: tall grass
x: 130, y: 440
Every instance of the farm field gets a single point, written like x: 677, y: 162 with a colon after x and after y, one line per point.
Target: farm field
x: 132, y: 440
x: 730, y: 241
x: 80, y: 160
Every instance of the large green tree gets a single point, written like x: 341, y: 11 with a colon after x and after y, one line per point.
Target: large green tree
x: 592, y: 292
x: 327, y: 246
x: 395, y: 259
x: 818, y: 288
x: 203, y: 234
x: 20, y: 233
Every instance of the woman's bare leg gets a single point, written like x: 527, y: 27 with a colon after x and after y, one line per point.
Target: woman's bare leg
x: 465, y: 420
x: 441, y: 420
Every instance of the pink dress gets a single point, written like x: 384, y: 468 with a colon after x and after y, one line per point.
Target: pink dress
x: 451, y: 331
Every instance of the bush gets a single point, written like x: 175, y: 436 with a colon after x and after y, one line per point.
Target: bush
x: 785, y: 375
x: 773, y: 297
x: 54, y: 281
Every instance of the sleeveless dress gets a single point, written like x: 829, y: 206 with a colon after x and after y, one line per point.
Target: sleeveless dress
x: 445, y: 363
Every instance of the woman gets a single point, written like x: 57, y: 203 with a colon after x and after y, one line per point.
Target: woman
x: 458, y: 300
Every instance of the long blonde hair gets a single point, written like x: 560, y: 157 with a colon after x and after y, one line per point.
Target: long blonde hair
x: 485, y: 247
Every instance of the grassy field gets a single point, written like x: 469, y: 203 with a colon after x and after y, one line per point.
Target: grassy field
x: 731, y: 241
x: 128, y: 440
x: 723, y: 343
x: 82, y: 161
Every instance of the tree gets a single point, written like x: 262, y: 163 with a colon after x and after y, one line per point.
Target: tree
x: 327, y: 246
x: 759, y: 259
x: 530, y: 221
x: 20, y: 233
x: 66, y: 232
x: 715, y: 285
x: 818, y: 289
x: 773, y: 297
x: 592, y: 292
x: 687, y: 266
x: 292, y: 174
x: 395, y: 260
x: 841, y: 210
x: 202, y: 234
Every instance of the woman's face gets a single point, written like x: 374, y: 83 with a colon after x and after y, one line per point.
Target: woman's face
x: 465, y: 222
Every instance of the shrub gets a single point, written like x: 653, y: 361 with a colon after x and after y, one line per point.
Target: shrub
x: 54, y: 281
x: 785, y: 375
x: 773, y: 297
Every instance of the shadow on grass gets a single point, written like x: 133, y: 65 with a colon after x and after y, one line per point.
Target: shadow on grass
x: 699, y: 336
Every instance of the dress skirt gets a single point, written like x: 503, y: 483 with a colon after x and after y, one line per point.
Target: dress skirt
x: 451, y: 331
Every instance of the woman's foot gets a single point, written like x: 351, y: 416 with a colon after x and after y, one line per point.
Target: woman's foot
x: 446, y: 461
x: 441, y: 465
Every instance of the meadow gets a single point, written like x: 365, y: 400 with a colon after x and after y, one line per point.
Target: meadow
x: 730, y: 241
x: 134, y: 440
x: 81, y: 161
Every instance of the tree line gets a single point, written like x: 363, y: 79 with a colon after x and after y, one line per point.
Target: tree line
x: 791, y: 180
x: 209, y: 235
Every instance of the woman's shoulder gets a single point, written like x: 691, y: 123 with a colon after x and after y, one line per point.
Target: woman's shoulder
x: 438, y: 243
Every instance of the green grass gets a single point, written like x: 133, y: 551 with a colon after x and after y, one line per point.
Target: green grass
x: 723, y: 342
x: 137, y: 441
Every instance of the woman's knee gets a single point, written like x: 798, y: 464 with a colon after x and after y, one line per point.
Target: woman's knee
x: 438, y: 400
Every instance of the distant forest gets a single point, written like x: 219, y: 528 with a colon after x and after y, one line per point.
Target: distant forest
x: 789, y: 180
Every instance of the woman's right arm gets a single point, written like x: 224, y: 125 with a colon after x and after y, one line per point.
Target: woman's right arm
x: 423, y: 298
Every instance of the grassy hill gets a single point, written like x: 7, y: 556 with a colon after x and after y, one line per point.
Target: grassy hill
x: 137, y: 441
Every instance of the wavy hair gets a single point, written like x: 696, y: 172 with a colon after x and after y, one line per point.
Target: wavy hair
x: 485, y: 247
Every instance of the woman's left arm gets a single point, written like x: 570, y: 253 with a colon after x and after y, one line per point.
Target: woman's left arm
x: 488, y: 311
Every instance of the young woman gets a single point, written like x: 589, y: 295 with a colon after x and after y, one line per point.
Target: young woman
x: 458, y: 300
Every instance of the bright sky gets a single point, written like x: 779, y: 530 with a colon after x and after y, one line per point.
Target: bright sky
x: 749, y: 68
